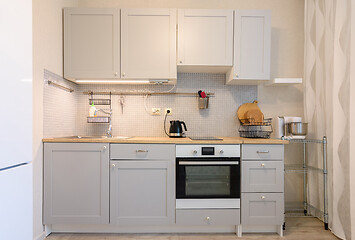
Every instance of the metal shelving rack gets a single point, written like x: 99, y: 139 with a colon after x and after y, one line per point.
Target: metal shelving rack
x: 304, y: 169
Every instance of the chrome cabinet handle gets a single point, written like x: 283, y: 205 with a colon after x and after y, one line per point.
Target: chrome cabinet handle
x: 263, y: 197
x: 208, y: 220
x: 237, y: 75
x: 141, y: 151
x: 113, y: 165
x: 221, y: 151
x: 263, y: 164
x: 116, y: 73
x: 194, y: 151
x: 263, y: 151
x: 123, y: 74
x: 104, y: 148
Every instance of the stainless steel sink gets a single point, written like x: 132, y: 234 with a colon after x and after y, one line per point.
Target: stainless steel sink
x: 102, y: 137
x: 86, y: 137
x: 121, y: 137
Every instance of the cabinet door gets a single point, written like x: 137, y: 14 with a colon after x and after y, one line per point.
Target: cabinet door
x: 252, y: 44
x: 205, y: 37
x: 91, y: 43
x: 262, y: 176
x: 148, y: 43
x: 142, y: 192
x: 262, y: 208
x: 76, y: 183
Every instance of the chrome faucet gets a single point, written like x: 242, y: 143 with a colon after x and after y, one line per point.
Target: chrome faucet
x: 109, y: 130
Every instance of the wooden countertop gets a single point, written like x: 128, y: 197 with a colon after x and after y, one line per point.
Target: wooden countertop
x: 166, y: 140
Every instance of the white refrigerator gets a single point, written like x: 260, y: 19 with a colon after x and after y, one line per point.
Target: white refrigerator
x: 16, y: 197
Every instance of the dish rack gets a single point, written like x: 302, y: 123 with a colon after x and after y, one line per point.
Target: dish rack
x: 107, y: 113
x: 255, y: 129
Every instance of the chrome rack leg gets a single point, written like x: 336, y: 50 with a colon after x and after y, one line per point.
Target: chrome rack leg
x: 304, y: 180
x: 325, y: 173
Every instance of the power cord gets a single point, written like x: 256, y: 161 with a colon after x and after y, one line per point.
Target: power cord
x: 166, y: 114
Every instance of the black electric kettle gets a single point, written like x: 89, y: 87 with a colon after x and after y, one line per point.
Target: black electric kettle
x: 176, y: 129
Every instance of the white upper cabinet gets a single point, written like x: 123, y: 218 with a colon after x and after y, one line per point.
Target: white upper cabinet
x: 148, y: 43
x: 252, y: 44
x: 205, y: 37
x: 91, y: 43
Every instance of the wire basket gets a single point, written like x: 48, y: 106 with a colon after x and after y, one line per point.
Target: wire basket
x: 98, y: 119
x: 256, y: 130
x: 97, y: 101
x: 246, y: 122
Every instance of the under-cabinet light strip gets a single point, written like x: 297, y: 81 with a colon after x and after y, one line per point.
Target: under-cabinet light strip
x: 114, y: 81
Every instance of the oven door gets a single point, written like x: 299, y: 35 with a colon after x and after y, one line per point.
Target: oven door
x: 207, y: 178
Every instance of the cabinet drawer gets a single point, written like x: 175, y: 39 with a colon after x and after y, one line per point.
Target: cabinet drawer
x: 263, y: 176
x: 262, y: 152
x: 208, y: 217
x: 262, y: 208
x: 142, y: 151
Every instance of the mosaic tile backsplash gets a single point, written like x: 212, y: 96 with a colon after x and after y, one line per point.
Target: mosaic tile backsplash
x: 66, y: 113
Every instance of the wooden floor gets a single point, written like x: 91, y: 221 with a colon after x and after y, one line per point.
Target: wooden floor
x: 296, y: 228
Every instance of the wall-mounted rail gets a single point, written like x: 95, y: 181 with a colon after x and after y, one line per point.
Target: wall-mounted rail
x: 60, y: 86
x: 147, y: 93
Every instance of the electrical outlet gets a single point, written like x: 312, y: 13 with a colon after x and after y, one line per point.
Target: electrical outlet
x: 170, y: 111
x: 156, y: 111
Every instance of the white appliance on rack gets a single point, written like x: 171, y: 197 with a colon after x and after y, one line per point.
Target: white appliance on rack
x: 281, y: 129
x: 16, y: 204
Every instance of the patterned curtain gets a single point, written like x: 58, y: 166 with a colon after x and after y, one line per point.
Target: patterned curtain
x: 327, y: 104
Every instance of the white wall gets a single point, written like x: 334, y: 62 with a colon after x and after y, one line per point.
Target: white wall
x: 47, y: 53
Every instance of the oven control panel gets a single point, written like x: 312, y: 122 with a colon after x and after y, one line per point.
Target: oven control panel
x: 218, y: 150
x: 207, y: 151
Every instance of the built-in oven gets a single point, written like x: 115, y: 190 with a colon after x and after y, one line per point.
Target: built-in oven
x: 207, y: 176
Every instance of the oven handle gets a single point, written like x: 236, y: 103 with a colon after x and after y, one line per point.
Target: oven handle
x: 208, y: 163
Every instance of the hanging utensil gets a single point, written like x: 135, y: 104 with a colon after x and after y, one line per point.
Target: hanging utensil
x: 122, y: 101
x: 199, y: 93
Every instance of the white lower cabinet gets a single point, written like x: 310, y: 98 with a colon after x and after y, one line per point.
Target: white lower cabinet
x: 142, y: 190
x: 76, y: 183
x: 262, y: 197
x: 134, y: 185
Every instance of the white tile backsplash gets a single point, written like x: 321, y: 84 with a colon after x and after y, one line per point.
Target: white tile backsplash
x: 60, y: 107
x: 65, y: 113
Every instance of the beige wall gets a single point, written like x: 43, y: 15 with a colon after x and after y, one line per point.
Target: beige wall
x: 47, y: 53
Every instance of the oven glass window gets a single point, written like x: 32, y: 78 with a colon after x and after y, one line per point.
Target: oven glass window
x: 194, y: 180
x: 207, y: 180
